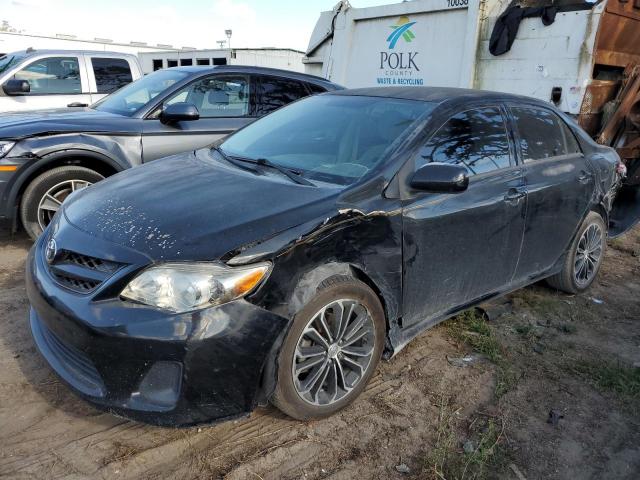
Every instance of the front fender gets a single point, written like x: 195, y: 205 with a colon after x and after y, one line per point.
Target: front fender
x: 35, y: 155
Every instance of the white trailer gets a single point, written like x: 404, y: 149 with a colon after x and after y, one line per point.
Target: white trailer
x: 587, y: 61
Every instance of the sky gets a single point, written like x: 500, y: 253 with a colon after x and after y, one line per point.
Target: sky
x: 186, y: 23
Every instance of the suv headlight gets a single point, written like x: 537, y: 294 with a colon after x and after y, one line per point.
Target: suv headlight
x: 5, y: 147
x: 182, y: 287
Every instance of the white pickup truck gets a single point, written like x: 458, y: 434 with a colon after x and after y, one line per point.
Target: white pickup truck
x: 39, y: 79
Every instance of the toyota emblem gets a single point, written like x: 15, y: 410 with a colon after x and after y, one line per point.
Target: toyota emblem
x: 51, y: 250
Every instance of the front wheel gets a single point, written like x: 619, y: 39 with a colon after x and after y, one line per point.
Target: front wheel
x: 45, y: 194
x: 584, y: 258
x: 331, y: 350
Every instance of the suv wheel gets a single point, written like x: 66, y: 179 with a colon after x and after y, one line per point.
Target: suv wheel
x: 45, y: 194
x: 331, y: 350
x: 584, y: 258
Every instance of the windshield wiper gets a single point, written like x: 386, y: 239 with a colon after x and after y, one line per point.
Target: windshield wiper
x: 289, y: 173
x: 234, y: 161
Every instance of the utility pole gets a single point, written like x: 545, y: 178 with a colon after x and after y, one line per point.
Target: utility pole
x: 228, y: 33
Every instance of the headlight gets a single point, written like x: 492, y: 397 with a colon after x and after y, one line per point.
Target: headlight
x: 5, y: 147
x: 181, y: 287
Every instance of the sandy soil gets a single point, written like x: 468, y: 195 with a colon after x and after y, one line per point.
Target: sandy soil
x: 422, y: 416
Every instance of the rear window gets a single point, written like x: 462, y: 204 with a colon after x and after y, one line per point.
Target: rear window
x: 541, y: 133
x: 111, y: 73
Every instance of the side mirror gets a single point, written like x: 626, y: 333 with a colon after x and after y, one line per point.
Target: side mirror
x: 179, y: 112
x: 440, y: 177
x: 16, y: 87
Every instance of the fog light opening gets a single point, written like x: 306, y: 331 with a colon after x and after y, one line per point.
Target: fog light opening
x: 160, y: 387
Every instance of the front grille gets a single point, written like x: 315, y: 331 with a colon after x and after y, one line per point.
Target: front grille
x: 76, y: 284
x: 73, y: 364
x: 81, y: 273
x: 90, y: 262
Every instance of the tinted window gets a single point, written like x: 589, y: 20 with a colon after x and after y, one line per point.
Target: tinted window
x: 111, y: 73
x: 185, y: 62
x: 476, y: 139
x: 572, y: 144
x: 220, y: 61
x: 540, y: 133
x: 274, y: 93
x: 172, y: 63
x: 316, y: 88
x: 217, y: 96
x: 136, y: 95
x: 59, y: 75
x: 333, y: 138
x: 158, y: 64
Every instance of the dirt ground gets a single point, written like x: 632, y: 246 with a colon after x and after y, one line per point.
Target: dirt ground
x: 545, y: 387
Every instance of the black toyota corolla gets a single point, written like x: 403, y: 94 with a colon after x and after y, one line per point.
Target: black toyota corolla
x: 282, y: 263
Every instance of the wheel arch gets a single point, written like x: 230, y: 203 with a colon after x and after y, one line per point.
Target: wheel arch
x: 96, y: 161
x: 306, y: 287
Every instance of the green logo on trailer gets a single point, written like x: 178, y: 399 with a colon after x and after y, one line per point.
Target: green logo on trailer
x: 402, y: 29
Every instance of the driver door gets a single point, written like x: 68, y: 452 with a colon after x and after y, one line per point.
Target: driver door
x: 224, y: 103
x: 460, y: 247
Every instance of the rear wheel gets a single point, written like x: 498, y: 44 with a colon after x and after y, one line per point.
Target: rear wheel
x: 331, y: 351
x: 45, y: 194
x: 584, y: 258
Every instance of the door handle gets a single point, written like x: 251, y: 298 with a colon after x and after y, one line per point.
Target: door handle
x: 585, y: 177
x: 514, y: 195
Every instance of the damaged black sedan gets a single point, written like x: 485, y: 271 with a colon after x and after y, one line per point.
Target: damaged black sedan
x: 283, y: 263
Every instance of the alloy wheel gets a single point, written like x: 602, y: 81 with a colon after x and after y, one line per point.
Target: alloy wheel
x: 588, y: 255
x: 52, y: 200
x: 333, y: 352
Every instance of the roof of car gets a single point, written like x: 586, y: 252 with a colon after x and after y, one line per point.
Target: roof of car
x: 249, y: 69
x: 435, y: 94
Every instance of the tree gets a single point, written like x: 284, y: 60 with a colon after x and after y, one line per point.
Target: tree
x: 5, y: 26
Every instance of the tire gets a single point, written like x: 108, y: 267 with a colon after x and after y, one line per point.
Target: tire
x: 567, y: 280
x: 59, y: 182
x: 345, y: 388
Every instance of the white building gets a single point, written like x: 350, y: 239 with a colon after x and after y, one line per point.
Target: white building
x: 13, y: 42
x: 283, y: 58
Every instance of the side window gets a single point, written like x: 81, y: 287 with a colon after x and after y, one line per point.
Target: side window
x: 111, y: 73
x: 476, y: 139
x: 274, y: 93
x: 572, y: 144
x: 54, y: 75
x: 315, y: 89
x: 540, y: 132
x: 216, y: 96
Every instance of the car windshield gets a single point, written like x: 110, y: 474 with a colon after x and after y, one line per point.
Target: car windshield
x: 128, y: 100
x: 332, y: 138
x: 9, y: 60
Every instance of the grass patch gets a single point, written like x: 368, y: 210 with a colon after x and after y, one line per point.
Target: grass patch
x: 607, y: 376
x: 471, y: 328
x: 477, y: 458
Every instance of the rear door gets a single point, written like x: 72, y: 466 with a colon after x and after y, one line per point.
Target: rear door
x: 55, y: 81
x: 559, y: 182
x: 224, y: 103
x: 459, y: 247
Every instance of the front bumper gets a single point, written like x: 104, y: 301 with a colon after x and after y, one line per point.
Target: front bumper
x: 150, y: 365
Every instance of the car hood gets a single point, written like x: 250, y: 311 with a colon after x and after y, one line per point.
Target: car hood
x: 192, y: 207
x: 16, y: 125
